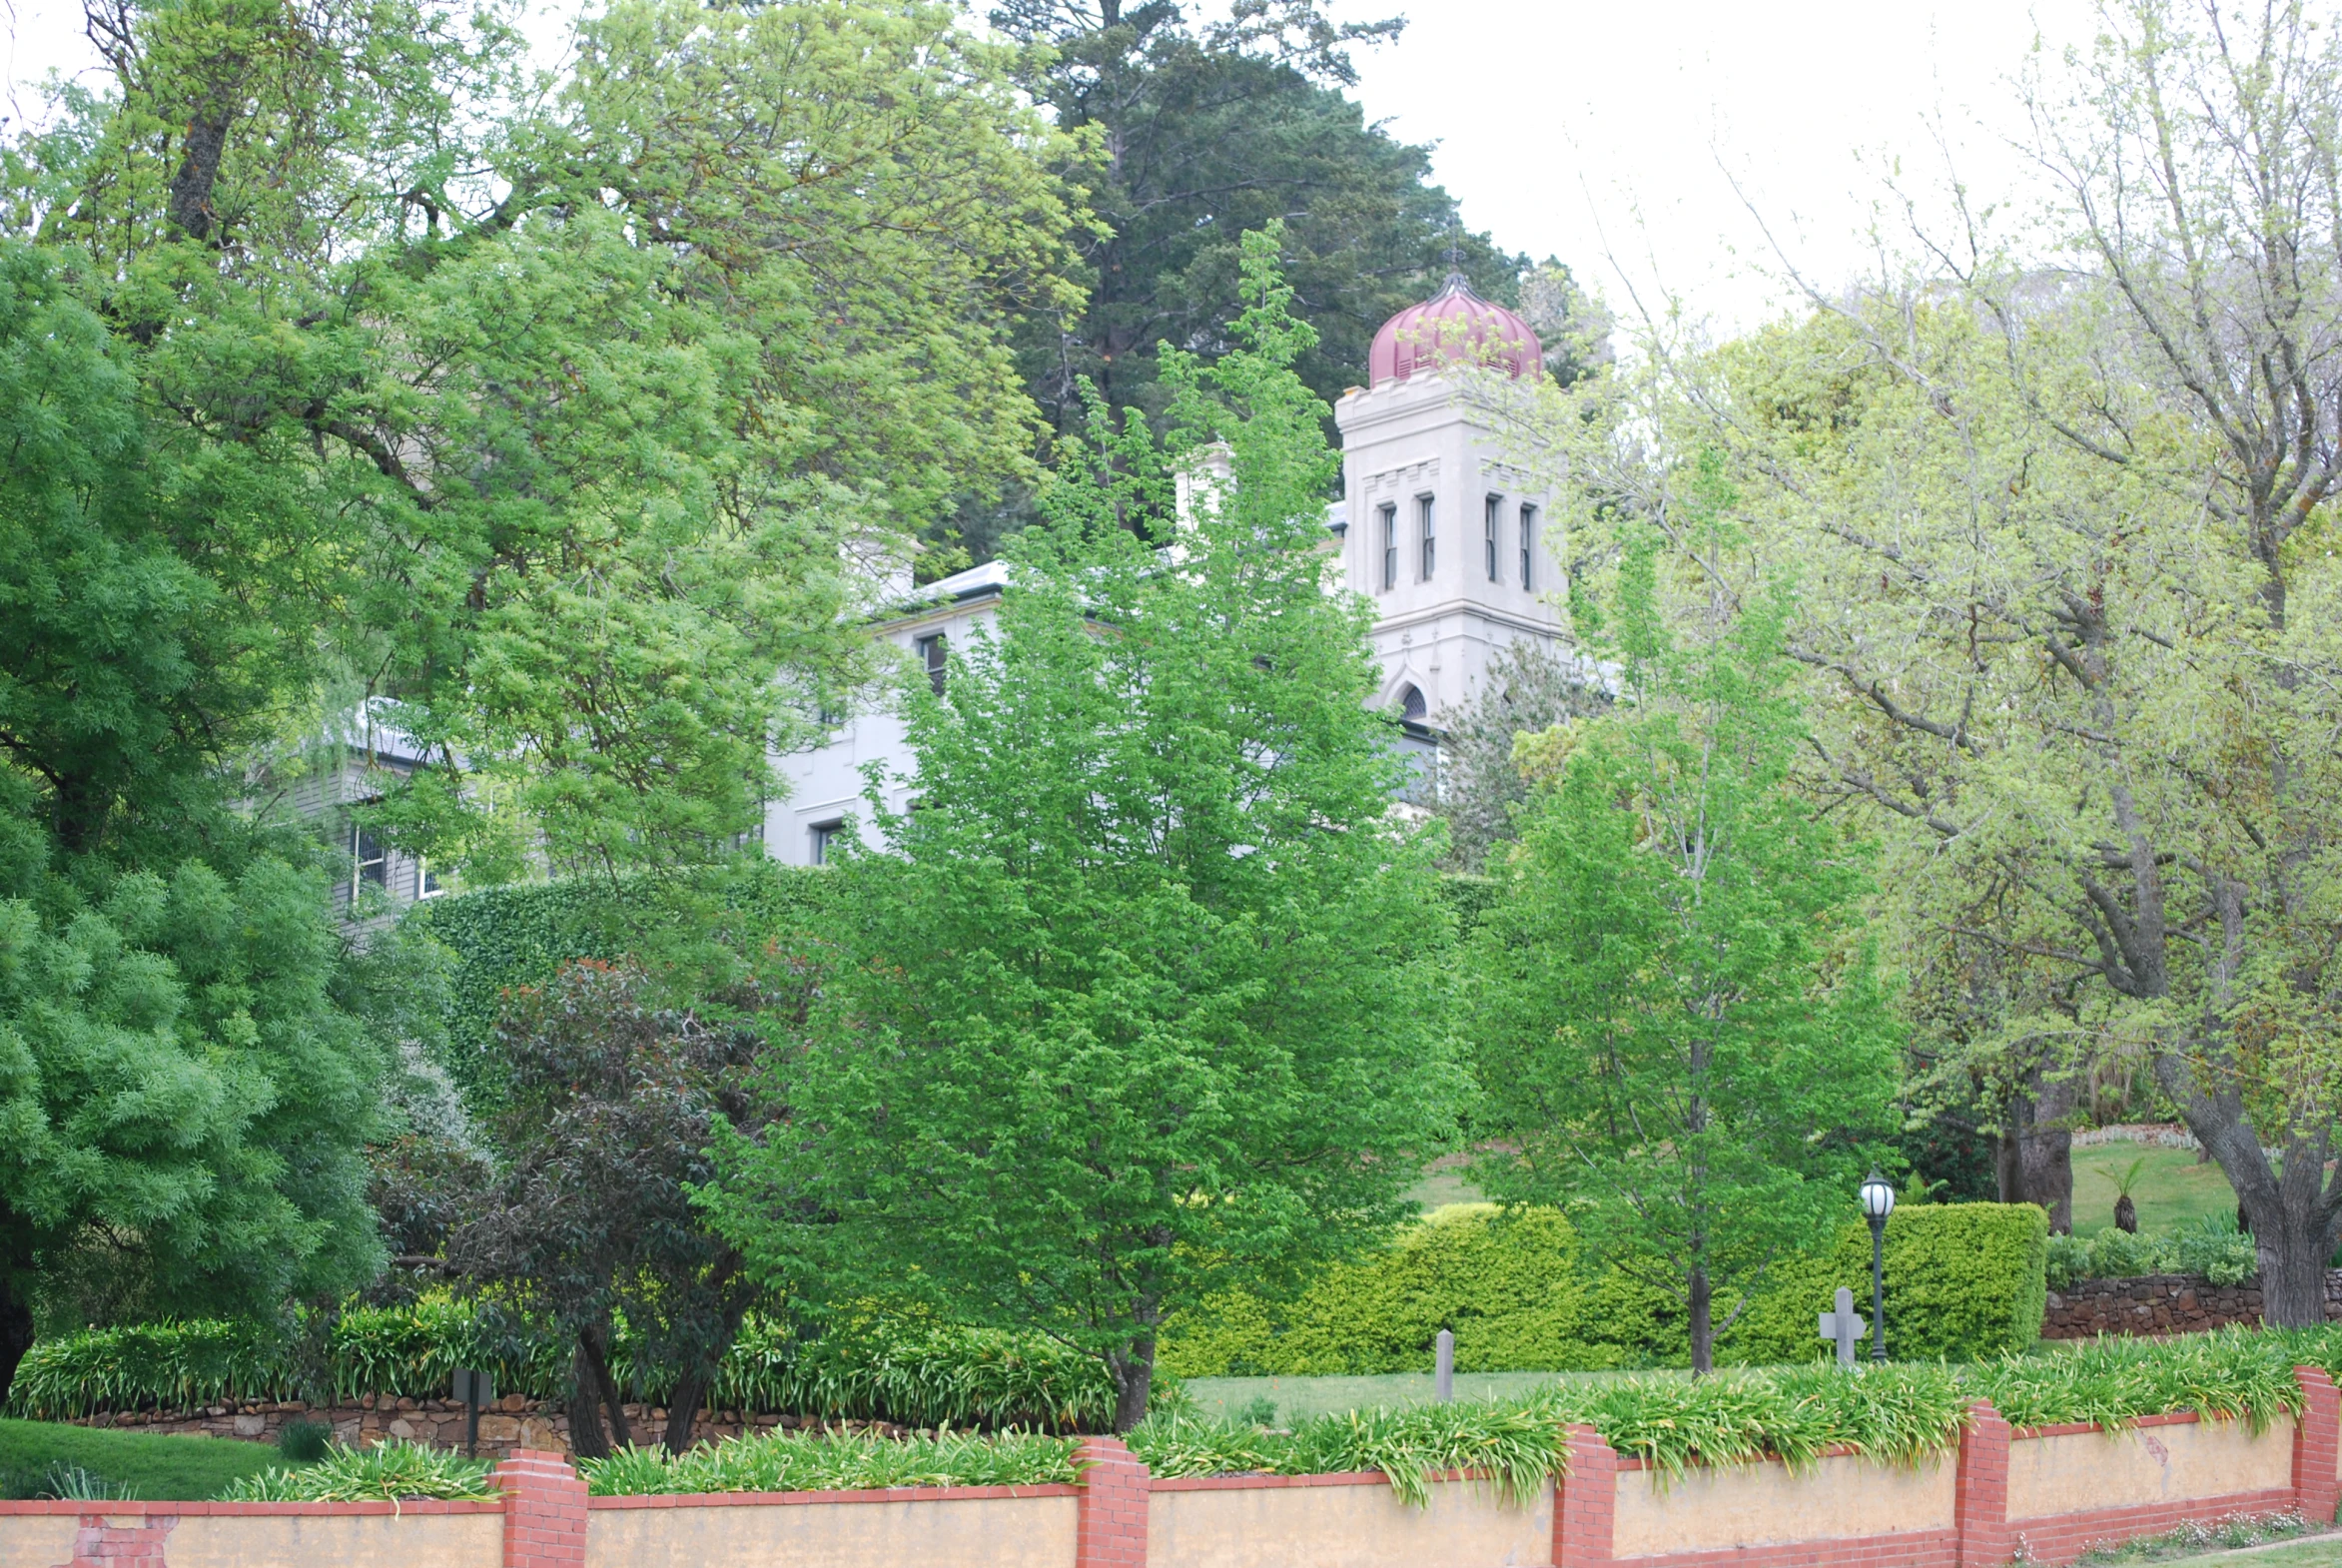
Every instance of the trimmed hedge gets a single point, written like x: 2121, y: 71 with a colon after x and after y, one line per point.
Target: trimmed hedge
x: 520, y: 936
x: 1964, y: 1281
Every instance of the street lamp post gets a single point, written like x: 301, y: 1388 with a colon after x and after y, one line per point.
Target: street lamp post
x: 1878, y: 1204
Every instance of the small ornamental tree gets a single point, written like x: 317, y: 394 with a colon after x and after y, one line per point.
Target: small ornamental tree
x: 1678, y: 1031
x: 1139, y: 1003
x: 605, y: 1123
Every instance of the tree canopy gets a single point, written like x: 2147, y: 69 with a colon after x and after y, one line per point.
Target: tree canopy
x: 1141, y: 996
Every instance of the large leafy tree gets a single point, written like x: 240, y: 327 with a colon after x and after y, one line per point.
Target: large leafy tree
x: 1680, y: 1032
x: 1139, y: 999
x: 1192, y: 137
x: 182, y: 1100
x: 594, y: 406
x: 2064, y: 534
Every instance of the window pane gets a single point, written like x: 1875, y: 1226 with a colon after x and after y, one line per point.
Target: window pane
x: 1430, y: 534
x: 1495, y: 505
x: 1528, y: 546
x: 1390, y: 548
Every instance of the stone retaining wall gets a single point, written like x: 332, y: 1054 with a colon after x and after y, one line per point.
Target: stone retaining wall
x: 2161, y: 1305
x: 513, y: 1423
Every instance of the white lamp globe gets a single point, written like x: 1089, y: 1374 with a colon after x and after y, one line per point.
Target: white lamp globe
x: 1878, y: 1197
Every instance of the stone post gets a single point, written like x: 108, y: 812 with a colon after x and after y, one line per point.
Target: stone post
x: 1980, y: 1496
x: 1585, y: 1503
x: 2317, y: 1446
x: 544, y: 1511
x: 1112, y: 1527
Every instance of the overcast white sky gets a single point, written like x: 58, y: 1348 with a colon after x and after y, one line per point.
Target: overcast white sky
x: 1572, y: 128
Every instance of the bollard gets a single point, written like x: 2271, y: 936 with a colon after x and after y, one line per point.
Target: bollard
x: 1443, y: 1368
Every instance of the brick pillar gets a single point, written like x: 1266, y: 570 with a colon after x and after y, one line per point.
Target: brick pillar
x: 1979, y: 1497
x: 1112, y: 1532
x: 2317, y: 1446
x: 1585, y: 1503
x: 544, y: 1511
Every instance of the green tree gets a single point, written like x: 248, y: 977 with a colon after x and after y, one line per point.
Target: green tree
x: 2063, y: 504
x: 1141, y: 1000
x: 1192, y: 136
x: 182, y: 1100
x: 1680, y: 1034
x: 591, y: 409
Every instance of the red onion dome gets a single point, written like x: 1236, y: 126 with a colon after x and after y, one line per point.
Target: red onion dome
x: 1454, y: 326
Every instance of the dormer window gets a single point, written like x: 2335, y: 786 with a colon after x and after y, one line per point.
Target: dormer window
x: 1428, y: 518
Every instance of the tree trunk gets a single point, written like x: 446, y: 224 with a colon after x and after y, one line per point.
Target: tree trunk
x: 15, y: 1332
x: 1698, y: 1298
x: 587, y: 1437
x: 2035, y: 1163
x: 597, y: 1394
x: 683, y: 1410
x: 1134, y: 1373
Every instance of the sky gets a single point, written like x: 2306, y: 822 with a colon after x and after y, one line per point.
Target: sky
x: 1612, y: 135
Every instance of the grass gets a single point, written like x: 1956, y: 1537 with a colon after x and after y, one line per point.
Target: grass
x: 2171, y: 1191
x: 2221, y: 1537
x: 1300, y: 1398
x: 147, y: 1466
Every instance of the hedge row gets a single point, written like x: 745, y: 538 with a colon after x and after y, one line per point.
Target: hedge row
x: 1896, y: 1414
x: 1964, y: 1281
x: 861, y: 1367
x: 502, y: 937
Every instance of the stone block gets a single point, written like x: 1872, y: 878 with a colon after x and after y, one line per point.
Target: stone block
x: 251, y: 1425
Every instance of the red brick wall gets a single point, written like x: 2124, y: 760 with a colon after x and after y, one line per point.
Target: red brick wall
x: 1112, y: 1528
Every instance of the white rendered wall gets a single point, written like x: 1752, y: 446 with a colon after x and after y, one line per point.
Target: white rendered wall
x: 826, y: 784
x: 1404, y: 441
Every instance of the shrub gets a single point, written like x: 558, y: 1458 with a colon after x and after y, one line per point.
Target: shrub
x: 520, y: 936
x: 1962, y: 1280
x: 864, y: 1363
x: 392, y: 1472
x: 805, y: 1462
x: 2212, y: 1248
x: 1505, y: 1284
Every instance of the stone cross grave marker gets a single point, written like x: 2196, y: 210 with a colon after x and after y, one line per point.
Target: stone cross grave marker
x: 1845, y: 1326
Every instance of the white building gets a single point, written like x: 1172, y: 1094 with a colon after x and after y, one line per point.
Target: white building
x: 1447, y: 539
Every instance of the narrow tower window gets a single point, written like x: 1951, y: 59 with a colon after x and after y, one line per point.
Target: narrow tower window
x: 1528, y: 546
x: 1495, y: 506
x: 1430, y: 519
x: 1390, y: 549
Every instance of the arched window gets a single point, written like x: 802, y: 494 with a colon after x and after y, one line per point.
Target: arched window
x: 1411, y: 706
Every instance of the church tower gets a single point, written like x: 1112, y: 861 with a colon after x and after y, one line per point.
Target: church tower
x: 1449, y: 541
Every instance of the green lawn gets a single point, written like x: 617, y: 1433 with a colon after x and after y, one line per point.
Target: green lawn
x: 2172, y: 1189
x: 1300, y: 1397
x: 155, y: 1468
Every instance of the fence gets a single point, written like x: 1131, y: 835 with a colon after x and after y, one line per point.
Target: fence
x: 2051, y: 1493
